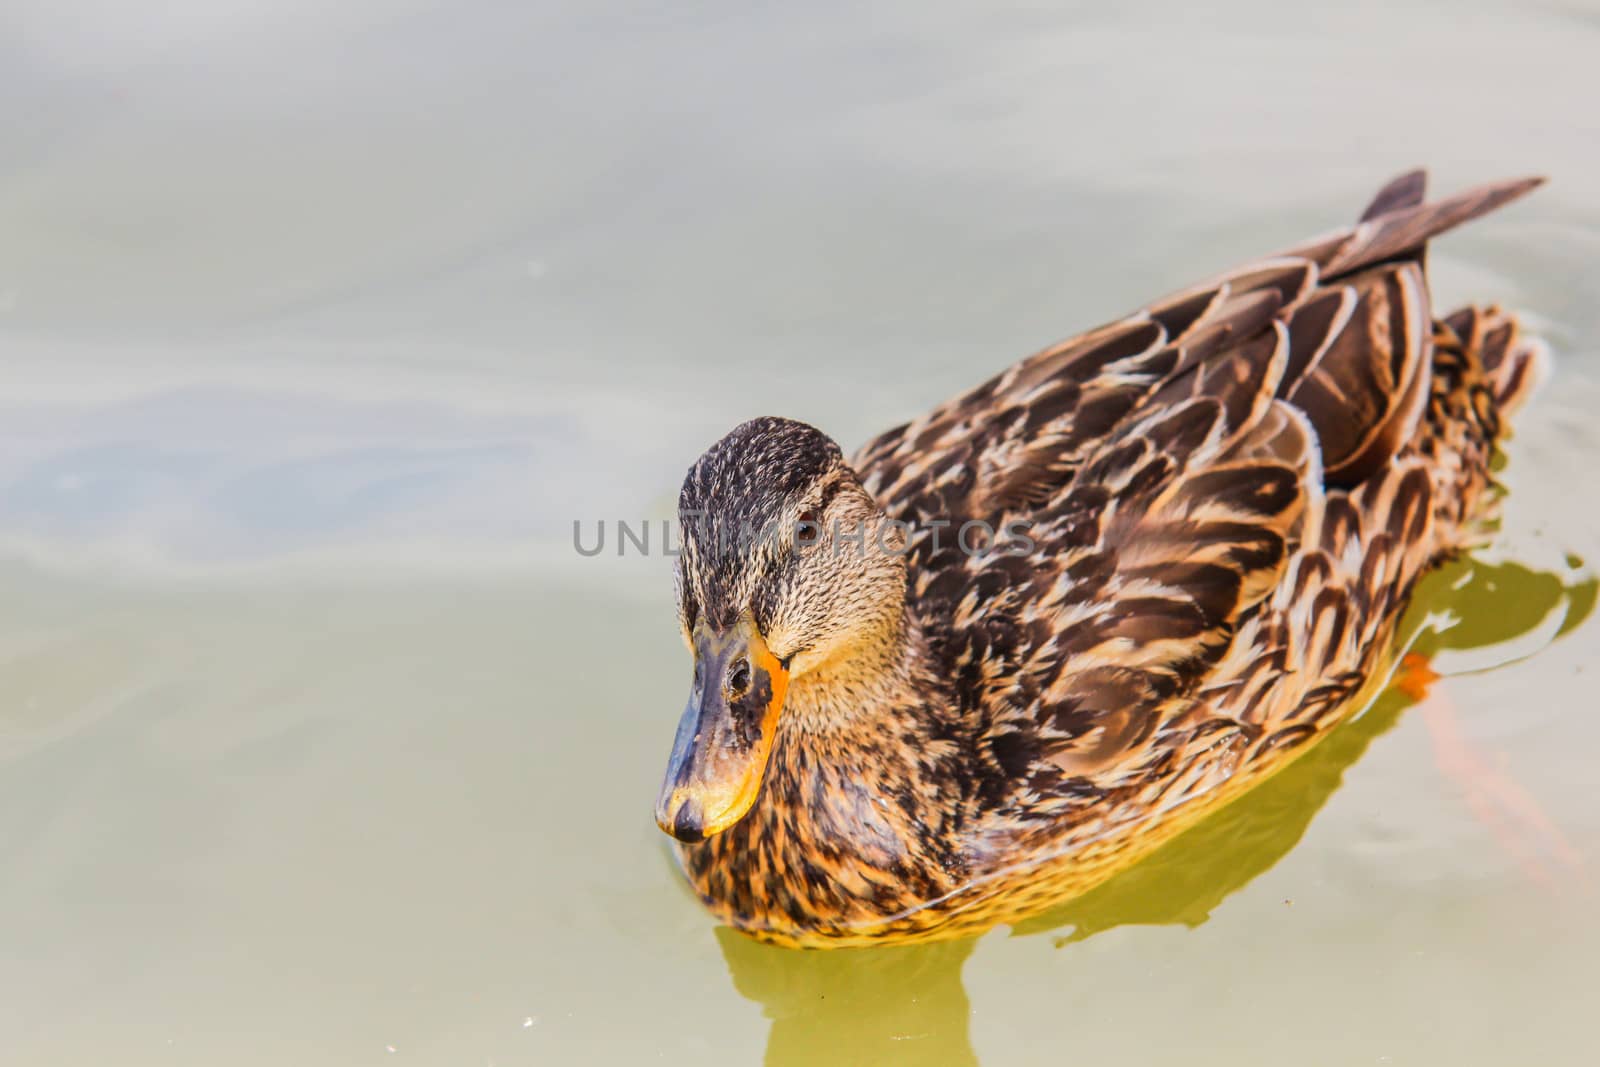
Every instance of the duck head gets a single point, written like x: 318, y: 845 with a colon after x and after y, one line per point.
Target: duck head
x: 787, y: 567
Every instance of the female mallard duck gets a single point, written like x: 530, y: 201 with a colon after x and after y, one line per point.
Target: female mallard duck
x: 1208, y: 518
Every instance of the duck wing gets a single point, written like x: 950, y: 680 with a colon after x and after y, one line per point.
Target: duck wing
x: 1173, y: 473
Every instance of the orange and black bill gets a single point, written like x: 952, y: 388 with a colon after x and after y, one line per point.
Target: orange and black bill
x: 725, y: 734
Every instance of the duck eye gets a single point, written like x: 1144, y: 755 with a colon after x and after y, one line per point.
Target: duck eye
x: 739, y: 678
x: 808, y: 531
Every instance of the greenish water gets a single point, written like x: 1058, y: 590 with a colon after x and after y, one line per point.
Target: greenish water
x: 319, y: 744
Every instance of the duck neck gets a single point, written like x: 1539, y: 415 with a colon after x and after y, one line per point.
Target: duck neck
x: 868, y: 765
x: 860, y: 689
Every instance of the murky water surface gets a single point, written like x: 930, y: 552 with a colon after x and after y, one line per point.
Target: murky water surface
x: 318, y: 329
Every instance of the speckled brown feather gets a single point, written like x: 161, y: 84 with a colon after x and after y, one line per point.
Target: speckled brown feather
x: 1229, y: 494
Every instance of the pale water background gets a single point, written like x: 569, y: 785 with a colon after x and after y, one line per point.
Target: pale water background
x: 320, y: 324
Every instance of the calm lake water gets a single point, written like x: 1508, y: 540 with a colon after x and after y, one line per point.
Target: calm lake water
x: 321, y: 324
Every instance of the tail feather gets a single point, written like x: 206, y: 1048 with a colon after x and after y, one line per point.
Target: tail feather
x: 1396, y: 232
x: 1513, y: 364
x: 1482, y: 369
x: 1407, y: 190
x: 1398, y: 224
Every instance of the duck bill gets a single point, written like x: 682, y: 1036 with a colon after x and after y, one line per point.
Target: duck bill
x: 725, y: 735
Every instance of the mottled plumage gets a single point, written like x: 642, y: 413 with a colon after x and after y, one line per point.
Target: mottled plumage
x: 1228, y: 497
